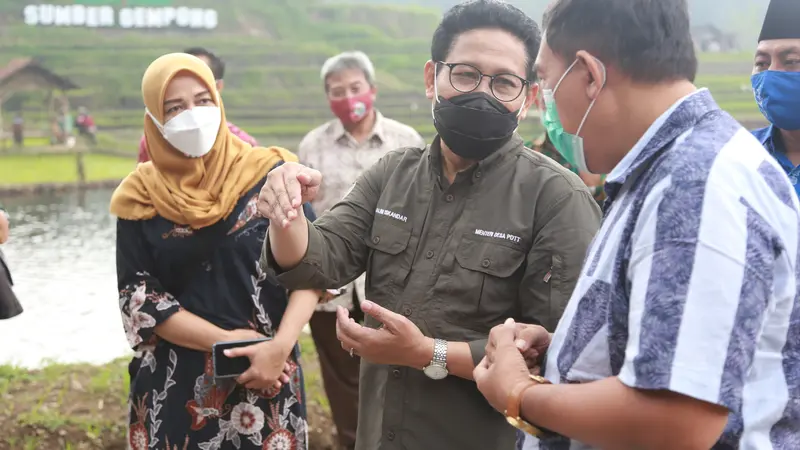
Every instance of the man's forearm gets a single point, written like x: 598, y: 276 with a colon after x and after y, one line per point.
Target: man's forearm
x: 459, y: 360
x: 298, y: 313
x: 608, y: 414
x: 188, y: 330
x: 289, y: 245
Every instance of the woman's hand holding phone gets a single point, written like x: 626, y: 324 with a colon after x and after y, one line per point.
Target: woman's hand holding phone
x: 275, y: 373
x: 268, y: 364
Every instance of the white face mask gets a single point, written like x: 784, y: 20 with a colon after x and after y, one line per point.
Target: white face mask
x: 194, y: 131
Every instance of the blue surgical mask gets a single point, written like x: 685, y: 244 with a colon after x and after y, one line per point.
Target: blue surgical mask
x: 778, y: 97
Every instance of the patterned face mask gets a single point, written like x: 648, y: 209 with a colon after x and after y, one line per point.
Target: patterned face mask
x: 778, y: 97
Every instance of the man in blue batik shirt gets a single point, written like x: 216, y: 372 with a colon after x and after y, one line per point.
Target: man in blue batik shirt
x: 776, y: 84
x: 683, y: 330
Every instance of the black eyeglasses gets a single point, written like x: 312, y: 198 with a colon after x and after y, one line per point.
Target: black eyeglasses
x: 466, y: 78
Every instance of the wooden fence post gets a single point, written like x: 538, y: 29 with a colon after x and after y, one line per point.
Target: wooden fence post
x: 80, y: 167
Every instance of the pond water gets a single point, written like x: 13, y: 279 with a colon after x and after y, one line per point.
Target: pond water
x: 61, y: 256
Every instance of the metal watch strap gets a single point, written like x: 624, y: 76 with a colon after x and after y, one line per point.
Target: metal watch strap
x: 439, y: 353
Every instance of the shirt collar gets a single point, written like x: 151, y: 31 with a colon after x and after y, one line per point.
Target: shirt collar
x: 679, y: 118
x: 766, y: 136
x: 475, y: 172
x: 338, y: 131
x: 771, y: 140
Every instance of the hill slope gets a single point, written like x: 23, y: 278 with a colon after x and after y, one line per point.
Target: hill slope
x: 274, y: 50
x: 742, y: 17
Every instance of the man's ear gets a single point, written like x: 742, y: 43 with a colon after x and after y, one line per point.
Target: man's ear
x: 597, y: 73
x: 430, y: 74
x: 220, y: 85
x: 531, y: 99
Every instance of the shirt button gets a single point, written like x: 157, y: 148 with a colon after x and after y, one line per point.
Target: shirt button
x: 407, y: 311
x: 396, y: 373
x: 486, y: 263
x: 449, y: 198
x: 376, y: 239
x: 390, y: 435
x: 429, y: 254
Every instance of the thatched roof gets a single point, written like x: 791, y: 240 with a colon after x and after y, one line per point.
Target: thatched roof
x: 27, y: 74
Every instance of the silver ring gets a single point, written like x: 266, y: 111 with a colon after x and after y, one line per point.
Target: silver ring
x: 351, y: 352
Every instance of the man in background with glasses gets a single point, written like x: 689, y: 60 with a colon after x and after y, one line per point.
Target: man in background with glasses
x: 342, y: 149
x: 454, y: 238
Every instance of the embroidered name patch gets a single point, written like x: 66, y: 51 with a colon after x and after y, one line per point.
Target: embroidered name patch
x: 497, y: 235
x: 392, y: 214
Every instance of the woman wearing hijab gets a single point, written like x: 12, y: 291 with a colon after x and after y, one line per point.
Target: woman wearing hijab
x: 188, y: 244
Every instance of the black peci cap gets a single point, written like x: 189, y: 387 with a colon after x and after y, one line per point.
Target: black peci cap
x: 782, y: 21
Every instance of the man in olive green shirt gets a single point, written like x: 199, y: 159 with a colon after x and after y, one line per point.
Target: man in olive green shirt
x: 454, y: 238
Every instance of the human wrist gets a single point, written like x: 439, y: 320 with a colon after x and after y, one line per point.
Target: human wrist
x: 533, y: 404
x: 424, y: 353
x: 225, y: 335
x: 284, y: 343
x: 524, y: 399
x: 515, y: 398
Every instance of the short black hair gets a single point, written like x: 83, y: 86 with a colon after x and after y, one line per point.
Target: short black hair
x: 648, y: 40
x: 486, y: 14
x: 215, y: 62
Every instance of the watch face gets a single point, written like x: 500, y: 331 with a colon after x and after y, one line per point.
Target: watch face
x: 435, y: 372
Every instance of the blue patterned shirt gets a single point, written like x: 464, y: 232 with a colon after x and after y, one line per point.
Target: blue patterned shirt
x: 771, y: 139
x: 691, y: 284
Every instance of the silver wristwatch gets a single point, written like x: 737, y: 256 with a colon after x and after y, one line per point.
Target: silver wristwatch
x: 437, y: 369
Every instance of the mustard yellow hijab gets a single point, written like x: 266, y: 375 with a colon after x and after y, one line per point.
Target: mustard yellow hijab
x: 189, y: 191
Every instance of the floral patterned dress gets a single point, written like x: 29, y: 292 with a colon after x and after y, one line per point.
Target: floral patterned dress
x: 175, y: 403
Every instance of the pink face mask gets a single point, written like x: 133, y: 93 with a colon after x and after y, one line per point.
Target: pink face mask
x: 352, y: 110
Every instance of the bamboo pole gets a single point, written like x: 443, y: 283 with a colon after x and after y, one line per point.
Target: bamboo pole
x: 81, y: 169
x: 3, y: 135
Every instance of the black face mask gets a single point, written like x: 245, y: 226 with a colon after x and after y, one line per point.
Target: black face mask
x: 474, y: 125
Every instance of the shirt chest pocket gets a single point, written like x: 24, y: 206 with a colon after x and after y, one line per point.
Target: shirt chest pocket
x: 389, y: 261
x: 486, y: 279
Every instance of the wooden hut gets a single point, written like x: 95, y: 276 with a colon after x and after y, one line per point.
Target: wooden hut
x: 27, y: 74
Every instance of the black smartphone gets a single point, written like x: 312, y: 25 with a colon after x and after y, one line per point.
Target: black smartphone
x: 225, y: 367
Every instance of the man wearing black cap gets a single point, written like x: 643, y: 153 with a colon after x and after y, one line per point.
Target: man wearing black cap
x: 776, y: 84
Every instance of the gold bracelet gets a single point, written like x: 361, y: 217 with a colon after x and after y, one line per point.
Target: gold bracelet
x: 512, y: 413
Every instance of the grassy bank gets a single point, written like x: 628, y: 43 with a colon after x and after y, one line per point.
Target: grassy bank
x: 61, y: 168
x: 78, y: 406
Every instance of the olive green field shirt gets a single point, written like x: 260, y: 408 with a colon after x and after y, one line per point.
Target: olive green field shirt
x: 506, y: 239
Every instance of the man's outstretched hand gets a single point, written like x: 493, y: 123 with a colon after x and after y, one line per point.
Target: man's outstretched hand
x: 288, y: 186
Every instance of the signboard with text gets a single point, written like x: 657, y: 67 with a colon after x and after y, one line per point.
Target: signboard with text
x: 135, y: 14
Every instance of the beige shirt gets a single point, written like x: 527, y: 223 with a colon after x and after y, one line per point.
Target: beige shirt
x: 330, y: 149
